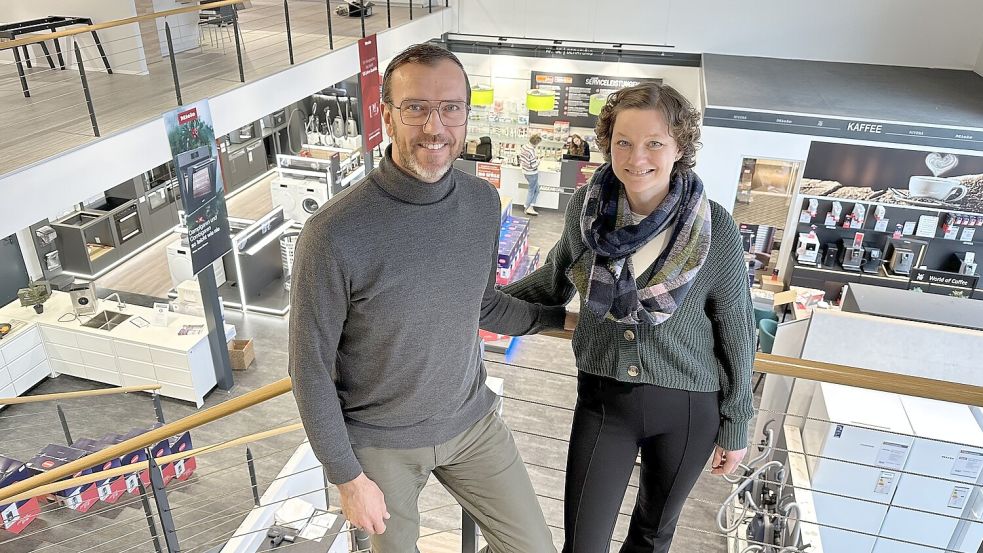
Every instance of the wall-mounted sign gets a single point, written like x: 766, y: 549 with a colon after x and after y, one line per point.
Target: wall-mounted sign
x: 836, y: 127
x: 573, y: 92
x: 942, y: 278
x: 368, y: 58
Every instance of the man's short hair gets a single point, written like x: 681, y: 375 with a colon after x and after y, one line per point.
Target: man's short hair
x: 425, y: 54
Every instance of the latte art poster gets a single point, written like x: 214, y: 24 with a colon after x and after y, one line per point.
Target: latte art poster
x: 894, y: 176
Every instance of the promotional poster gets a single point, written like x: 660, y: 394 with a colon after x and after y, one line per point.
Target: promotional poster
x: 369, y: 82
x: 192, y: 140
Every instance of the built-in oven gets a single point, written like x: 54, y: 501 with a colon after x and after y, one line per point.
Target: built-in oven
x: 158, y: 199
x: 127, y: 222
x: 197, y: 173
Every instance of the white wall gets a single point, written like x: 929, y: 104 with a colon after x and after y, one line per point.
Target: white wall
x: 122, y: 44
x: 940, y: 33
x: 91, y: 169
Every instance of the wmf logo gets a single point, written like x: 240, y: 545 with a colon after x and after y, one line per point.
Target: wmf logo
x: 921, y: 276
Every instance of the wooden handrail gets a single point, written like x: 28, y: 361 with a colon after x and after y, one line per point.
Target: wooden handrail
x: 83, y: 393
x: 150, y: 437
x: 55, y: 487
x: 114, y: 23
x: 894, y: 383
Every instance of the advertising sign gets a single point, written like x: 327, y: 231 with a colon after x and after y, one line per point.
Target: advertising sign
x: 491, y: 172
x: 585, y: 172
x: 369, y: 82
x: 192, y: 139
x: 573, y: 92
x: 894, y: 176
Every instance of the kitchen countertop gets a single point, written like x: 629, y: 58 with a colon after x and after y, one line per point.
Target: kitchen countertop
x: 163, y: 337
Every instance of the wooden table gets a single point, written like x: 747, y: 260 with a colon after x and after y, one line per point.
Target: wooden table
x: 10, y: 31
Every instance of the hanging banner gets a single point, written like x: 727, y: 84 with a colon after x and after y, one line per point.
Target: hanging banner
x: 192, y: 139
x: 369, y: 82
x: 491, y: 172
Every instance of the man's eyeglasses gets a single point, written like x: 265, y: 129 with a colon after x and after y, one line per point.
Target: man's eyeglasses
x: 416, y: 113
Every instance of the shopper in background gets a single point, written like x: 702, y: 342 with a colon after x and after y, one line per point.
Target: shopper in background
x: 390, y: 280
x: 578, y: 147
x: 664, y: 342
x: 529, y: 161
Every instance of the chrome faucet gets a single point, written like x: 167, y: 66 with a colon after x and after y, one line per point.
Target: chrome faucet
x: 120, y: 304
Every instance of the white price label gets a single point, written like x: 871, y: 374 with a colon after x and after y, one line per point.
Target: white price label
x: 132, y: 483
x: 909, y: 228
x: 805, y: 217
x: 957, y: 499
x: 881, y: 226
x: 105, y: 491
x: 10, y: 515
x: 179, y: 468
x: 967, y: 235
x: 968, y: 464
x: 74, y: 501
x: 830, y: 221
x: 951, y: 233
x: 892, y: 455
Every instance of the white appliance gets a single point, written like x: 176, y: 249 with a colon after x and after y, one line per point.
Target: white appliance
x: 179, y: 264
x: 300, y: 198
x: 858, y: 456
x: 948, y: 451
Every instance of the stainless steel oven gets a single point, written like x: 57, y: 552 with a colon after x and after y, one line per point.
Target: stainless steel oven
x: 127, y: 222
x: 157, y: 199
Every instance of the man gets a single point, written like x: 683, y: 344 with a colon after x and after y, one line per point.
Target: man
x: 529, y: 161
x: 389, y: 281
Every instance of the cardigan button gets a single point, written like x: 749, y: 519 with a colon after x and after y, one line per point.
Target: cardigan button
x: 629, y: 335
x: 632, y: 371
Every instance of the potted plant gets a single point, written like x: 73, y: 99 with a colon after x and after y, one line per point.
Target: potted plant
x: 35, y: 295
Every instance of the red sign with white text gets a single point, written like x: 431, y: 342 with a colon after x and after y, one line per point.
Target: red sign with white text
x: 491, y: 172
x: 368, y: 56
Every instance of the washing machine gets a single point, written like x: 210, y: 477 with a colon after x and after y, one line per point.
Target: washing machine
x: 283, y: 193
x: 179, y: 264
x: 300, y: 198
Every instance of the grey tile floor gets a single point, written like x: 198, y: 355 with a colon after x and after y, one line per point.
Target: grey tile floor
x: 211, y: 504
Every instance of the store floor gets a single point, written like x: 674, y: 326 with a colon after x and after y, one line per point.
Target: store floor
x: 55, y: 119
x: 540, y: 391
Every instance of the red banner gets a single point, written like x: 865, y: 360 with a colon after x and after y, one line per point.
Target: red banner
x: 368, y: 56
x: 491, y: 172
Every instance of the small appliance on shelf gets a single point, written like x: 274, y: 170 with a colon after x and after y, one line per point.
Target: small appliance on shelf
x: 967, y: 264
x: 851, y: 255
x: 872, y: 260
x: 807, y: 251
x: 901, y: 261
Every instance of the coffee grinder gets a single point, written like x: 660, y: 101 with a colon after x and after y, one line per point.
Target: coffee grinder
x: 851, y: 255
x: 872, y: 260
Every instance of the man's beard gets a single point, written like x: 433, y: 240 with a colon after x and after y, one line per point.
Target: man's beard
x: 413, y: 165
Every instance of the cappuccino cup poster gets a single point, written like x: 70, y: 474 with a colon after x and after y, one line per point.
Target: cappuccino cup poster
x: 921, y: 178
x: 192, y: 139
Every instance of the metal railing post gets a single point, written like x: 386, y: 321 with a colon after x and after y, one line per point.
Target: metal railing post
x: 64, y: 423
x: 235, y: 32
x: 158, y: 408
x: 150, y: 515
x: 163, y: 506
x: 447, y: 3
x: 469, y: 533
x: 389, y: 15
x: 252, y: 475
x: 411, y: 9
x: 330, y: 31
x: 430, y: 6
x: 290, y: 42
x: 361, y: 13
x: 88, y: 103
x: 20, y: 73
x: 170, y: 54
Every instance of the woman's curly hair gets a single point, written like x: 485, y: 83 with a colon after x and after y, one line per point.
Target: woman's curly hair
x: 683, y: 119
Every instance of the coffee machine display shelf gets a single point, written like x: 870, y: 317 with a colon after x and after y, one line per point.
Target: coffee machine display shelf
x: 929, y: 210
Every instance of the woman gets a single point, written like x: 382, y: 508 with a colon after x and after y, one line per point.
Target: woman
x: 664, y: 342
x: 578, y: 147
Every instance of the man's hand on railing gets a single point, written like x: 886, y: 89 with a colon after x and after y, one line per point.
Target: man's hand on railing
x: 726, y: 462
x: 364, y: 504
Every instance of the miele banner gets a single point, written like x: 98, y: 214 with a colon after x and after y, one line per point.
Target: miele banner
x: 369, y: 82
x: 192, y: 139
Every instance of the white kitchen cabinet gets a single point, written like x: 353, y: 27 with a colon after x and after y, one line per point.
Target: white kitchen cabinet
x: 19, y: 344
x: 25, y: 362
x: 60, y: 366
x: 7, y: 391
x: 63, y: 353
x: 137, y: 368
x: 52, y: 335
x: 88, y: 342
x: 32, y: 377
x: 5, y: 379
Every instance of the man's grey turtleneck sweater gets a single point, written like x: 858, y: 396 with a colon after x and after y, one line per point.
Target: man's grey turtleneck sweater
x: 389, y: 281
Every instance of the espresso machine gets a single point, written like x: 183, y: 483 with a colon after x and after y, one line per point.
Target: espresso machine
x: 967, y: 264
x: 851, y: 256
x: 872, y: 260
x: 901, y: 261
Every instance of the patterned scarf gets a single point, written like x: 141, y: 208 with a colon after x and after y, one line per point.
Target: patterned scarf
x: 608, y: 230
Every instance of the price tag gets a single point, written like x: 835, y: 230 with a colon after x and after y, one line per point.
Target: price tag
x: 892, y: 455
x: 132, y: 483
x: 805, y: 217
x: 881, y: 226
x: 105, y: 491
x: 957, y: 499
x: 951, y: 233
x: 74, y: 501
x: 830, y: 221
x: 927, y: 225
x: 885, y: 482
x: 968, y: 464
x: 10, y: 515
x: 179, y: 468
x: 909, y: 228
x: 968, y: 234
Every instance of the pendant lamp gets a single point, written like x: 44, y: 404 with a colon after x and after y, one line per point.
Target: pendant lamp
x: 540, y: 100
x: 482, y: 95
x: 597, y: 102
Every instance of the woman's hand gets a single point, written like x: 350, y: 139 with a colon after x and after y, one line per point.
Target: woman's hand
x: 726, y: 462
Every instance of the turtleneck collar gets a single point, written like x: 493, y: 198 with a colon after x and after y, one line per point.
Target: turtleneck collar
x: 407, y: 188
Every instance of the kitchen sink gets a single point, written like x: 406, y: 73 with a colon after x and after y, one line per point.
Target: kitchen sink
x: 106, y: 320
